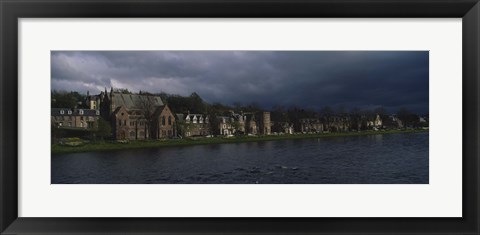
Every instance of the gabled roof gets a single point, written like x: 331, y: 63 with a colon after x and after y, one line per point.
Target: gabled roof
x: 90, y: 112
x: 159, y: 110
x: 180, y: 116
x: 117, y: 110
x: 74, y: 112
x: 192, y: 115
x: 310, y: 120
x: 134, y: 101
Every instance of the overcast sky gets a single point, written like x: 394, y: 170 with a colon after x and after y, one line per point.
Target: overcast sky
x: 309, y: 79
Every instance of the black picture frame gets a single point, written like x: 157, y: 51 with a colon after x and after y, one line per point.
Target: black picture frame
x: 11, y: 11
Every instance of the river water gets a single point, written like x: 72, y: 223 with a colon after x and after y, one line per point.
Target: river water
x: 373, y: 159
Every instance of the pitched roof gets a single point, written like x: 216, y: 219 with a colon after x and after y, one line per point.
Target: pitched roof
x: 159, y: 110
x: 133, y: 101
x: 74, y: 112
x: 180, y: 116
x: 191, y: 115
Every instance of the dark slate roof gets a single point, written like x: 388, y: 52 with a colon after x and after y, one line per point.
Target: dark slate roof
x: 133, y: 101
x: 159, y: 109
x: 309, y: 120
x: 194, y: 114
x: 116, y: 110
x: 74, y: 112
x: 56, y: 111
x: 180, y: 116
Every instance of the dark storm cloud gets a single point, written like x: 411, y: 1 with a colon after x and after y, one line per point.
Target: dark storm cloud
x: 309, y: 79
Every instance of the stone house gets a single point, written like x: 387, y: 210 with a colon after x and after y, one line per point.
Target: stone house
x: 391, y: 122
x: 74, y: 118
x: 251, y: 124
x: 311, y: 125
x: 163, y: 123
x: 193, y: 124
x: 376, y: 123
x: 233, y: 123
x: 240, y: 119
x: 245, y: 123
x: 225, y: 125
x: 283, y: 127
x: 288, y: 128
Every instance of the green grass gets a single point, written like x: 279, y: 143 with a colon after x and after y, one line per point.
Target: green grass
x: 103, y: 146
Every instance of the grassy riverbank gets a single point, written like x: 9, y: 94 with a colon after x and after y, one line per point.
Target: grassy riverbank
x: 102, y: 146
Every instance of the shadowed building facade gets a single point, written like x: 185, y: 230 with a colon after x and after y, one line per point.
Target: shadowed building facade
x: 265, y: 124
x: 250, y: 123
x: 137, y: 116
x: 193, y: 125
x: 74, y: 118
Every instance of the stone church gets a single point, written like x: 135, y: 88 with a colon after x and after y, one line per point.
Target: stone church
x: 135, y: 116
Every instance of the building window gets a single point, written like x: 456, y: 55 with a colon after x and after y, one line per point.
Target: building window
x: 169, y: 120
x: 132, y: 134
x: 81, y: 118
x: 81, y: 111
x: 164, y: 133
x: 69, y: 111
x: 163, y: 120
x: 62, y: 111
x: 119, y: 122
x: 124, y: 122
x: 169, y: 133
x: 97, y: 112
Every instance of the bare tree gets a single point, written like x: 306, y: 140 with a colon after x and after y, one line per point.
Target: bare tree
x: 146, y: 103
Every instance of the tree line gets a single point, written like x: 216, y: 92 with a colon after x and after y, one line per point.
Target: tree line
x: 193, y: 103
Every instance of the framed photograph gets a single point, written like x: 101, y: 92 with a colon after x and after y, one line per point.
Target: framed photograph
x: 239, y: 117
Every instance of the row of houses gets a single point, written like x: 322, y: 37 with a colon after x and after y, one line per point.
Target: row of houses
x: 75, y: 118
x: 245, y: 123
x: 341, y: 123
x: 140, y: 117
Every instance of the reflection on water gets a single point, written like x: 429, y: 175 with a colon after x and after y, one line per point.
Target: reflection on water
x: 374, y: 159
